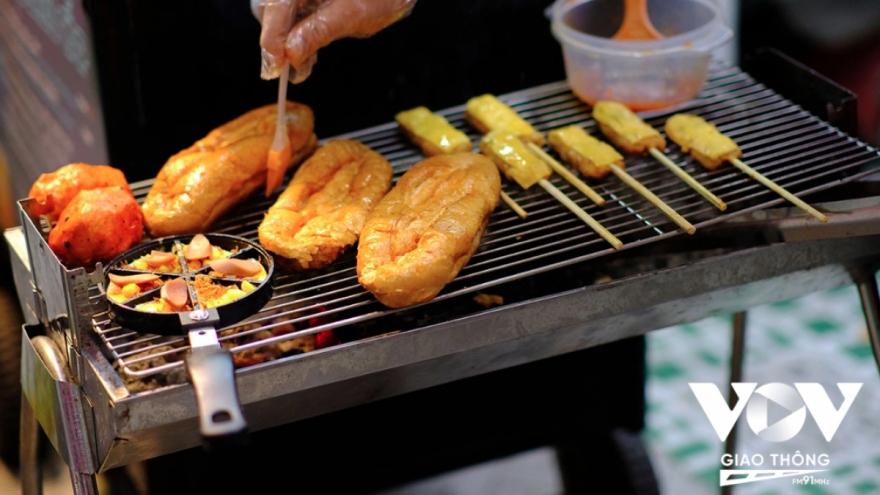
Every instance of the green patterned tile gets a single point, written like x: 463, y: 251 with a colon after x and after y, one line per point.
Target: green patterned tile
x: 690, y: 450
x: 859, y: 351
x: 823, y: 326
x: 725, y: 318
x: 843, y: 470
x: 682, y: 424
x: 710, y: 358
x: 689, y: 329
x: 777, y: 336
x: 867, y: 486
x: 709, y: 477
x: 785, y: 305
x: 819, y: 327
x: 666, y: 371
x: 814, y: 489
x: 842, y: 291
x: 651, y: 435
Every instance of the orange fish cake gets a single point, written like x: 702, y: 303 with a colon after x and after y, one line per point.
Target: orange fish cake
x: 427, y: 228
x: 323, y: 209
x: 199, y: 184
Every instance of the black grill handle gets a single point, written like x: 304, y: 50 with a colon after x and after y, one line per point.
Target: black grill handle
x: 221, y: 422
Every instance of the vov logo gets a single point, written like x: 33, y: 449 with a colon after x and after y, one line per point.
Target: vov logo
x: 756, y: 401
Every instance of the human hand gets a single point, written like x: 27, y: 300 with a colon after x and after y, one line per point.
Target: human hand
x: 294, y: 30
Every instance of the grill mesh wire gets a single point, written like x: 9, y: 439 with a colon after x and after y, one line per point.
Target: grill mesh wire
x: 779, y: 139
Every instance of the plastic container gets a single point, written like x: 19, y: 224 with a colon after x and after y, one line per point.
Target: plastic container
x: 641, y: 74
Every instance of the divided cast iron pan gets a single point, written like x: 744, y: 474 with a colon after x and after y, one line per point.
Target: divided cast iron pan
x: 209, y: 366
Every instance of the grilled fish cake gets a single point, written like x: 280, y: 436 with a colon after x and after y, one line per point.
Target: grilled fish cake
x: 488, y: 113
x: 431, y: 132
x: 53, y: 191
x: 97, y: 225
x: 592, y: 158
x: 514, y: 159
x: 323, y: 209
x: 625, y: 129
x: 202, y: 182
x: 427, y: 228
x: 702, y: 140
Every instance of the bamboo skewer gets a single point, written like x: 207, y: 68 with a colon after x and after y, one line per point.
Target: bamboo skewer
x: 565, y: 174
x: 523, y: 159
x: 594, y: 158
x: 583, y: 215
x: 778, y: 189
x: 644, y: 191
x: 711, y: 148
x: 687, y: 178
x: 514, y: 159
x: 629, y: 132
x: 514, y: 205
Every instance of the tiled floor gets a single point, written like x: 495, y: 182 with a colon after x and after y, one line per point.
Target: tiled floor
x: 818, y: 338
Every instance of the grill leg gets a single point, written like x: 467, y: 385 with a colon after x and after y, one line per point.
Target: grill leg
x: 84, y: 483
x: 56, y: 396
x: 615, y: 463
x: 737, y: 355
x: 871, y: 307
x: 31, y: 470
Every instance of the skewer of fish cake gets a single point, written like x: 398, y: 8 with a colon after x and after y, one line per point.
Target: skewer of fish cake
x: 712, y: 149
x: 596, y: 159
x: 588, y: 155
x: 631, y: 134
x: 515, y: 161
x: 487, y: 113
x: 435, y: 135
x: 431, y: 132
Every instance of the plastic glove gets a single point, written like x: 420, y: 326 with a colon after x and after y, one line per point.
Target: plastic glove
x: 316, y: 24
x: 277, y: 17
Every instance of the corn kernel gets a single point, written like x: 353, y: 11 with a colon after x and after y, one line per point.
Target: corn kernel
x: 130, y: 290
x: 233, y: 294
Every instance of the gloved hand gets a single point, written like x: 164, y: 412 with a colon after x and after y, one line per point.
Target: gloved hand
x: 296, y: 29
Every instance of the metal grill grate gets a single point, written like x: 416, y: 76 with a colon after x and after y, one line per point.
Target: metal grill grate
x: 779, y: 139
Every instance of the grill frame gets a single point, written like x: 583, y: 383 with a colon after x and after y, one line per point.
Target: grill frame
x: 746, y: 110
x: 123, y: 427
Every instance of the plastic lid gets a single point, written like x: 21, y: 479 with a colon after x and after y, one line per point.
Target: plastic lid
x: 709, y: 35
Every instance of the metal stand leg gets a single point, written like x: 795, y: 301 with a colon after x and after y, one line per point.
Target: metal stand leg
x: 31, y: 471
x: 84, y: 483
x: 871, y: 307
x: 45, y: 378
x: 737, y: 354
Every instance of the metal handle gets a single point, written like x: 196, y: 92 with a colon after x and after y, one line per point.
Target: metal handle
x: 211, y: 372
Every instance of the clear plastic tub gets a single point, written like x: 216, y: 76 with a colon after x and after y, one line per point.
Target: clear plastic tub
x: 641, y: 74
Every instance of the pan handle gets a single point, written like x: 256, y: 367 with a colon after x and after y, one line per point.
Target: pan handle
x: 211, y: 371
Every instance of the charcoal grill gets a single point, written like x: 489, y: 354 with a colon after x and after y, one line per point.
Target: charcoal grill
x: 107, y: 396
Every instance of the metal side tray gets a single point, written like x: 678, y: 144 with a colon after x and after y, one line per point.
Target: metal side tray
x: 61, y: 296
x: 51, y: 399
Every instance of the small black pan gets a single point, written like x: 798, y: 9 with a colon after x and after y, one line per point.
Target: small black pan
x: 209, y: 366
